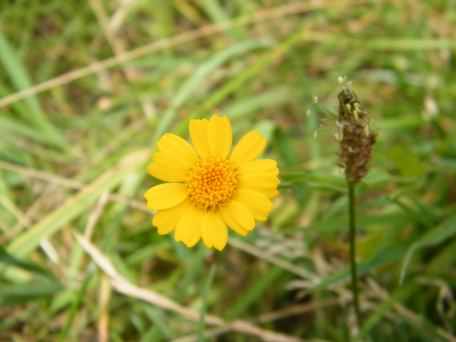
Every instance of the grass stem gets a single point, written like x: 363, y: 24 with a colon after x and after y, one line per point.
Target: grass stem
x: 205, y: 295
x: 354, y: 272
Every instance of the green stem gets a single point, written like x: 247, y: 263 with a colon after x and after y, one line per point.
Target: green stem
x: 204, y: 296
x: 354, y: 272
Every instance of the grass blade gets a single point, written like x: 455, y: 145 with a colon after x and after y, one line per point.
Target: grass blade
x: 18, y: 76
x: 74, y: 206
x: 199, y: 76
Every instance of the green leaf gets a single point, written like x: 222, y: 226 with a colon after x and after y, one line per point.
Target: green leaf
x: 8, y: 259
x: 204, y: 296
x: 319, y: 180
x: 433, y: 237
x: 252, y: 103
x: 36, y: 288
x: 199, y: 77
x: 260, y: 65
x: 407, y: 162
x: 388, y: 254
x: 254, y: 293
x: 26, y: 242
x: 12, y: 128
x: 18, y: 76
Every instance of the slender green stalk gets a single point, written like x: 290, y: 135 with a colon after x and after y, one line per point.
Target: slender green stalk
x: 204, y: 295
x: 354, y: 272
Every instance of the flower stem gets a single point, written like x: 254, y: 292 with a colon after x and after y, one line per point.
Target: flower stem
x: 354, y: 272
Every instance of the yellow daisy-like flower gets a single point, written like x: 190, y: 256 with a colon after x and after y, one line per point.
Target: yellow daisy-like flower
x: 209, y: 187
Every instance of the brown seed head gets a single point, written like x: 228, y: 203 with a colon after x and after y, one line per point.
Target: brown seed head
x: 356, y: 139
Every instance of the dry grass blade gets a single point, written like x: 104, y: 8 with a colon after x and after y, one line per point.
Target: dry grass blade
x: 95, y: 215
x: 103, y: 322
x: 186, y: 37
x: 26, y: 242
x: 24, y: 220
x: 117, y: 45
x: 299, y: 271
x: 122, y: 285
x: 297, y: 309
x: 68, y: 183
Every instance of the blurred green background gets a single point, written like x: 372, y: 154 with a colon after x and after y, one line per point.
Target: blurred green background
x: 86, y: 88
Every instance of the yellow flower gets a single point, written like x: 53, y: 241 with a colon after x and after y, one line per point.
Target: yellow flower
x: 208, y: 187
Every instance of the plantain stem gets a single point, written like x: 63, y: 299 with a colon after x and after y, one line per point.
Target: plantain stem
x: 354, y: 271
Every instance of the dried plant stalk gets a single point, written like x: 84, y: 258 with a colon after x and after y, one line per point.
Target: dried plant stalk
x: 356, y: 142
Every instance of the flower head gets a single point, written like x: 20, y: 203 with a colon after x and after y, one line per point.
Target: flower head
x: 209, y: 187
x: 357, y: 139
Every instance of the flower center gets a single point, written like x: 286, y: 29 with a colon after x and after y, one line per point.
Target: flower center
x: 212, y: 183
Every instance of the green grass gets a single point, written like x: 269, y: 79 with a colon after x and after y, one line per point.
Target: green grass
x: 276, y: 70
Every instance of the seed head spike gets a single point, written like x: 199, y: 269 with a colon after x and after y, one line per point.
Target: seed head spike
x: 357, y: 139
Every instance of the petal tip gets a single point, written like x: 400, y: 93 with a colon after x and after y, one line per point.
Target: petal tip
x: 220, y: 248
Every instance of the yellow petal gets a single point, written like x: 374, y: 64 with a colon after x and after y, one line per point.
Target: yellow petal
x: 265, y: 185
x: 188, y: 229
x: 166, y: 220
x: 260, y: 175
x: 214, y: 232
x: 220, y: 136
x: 176, y: 145
x: 258, y: 204
x: 271, y: 192
x: 165, y: 196
x: 249, y: 147
x: 230, y: 222
x: 259, y: 181
x: 238, y: 217
x: 167, y: 170
x: 260, y: 167
x: 199, y: 133
x: 173, y: 159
